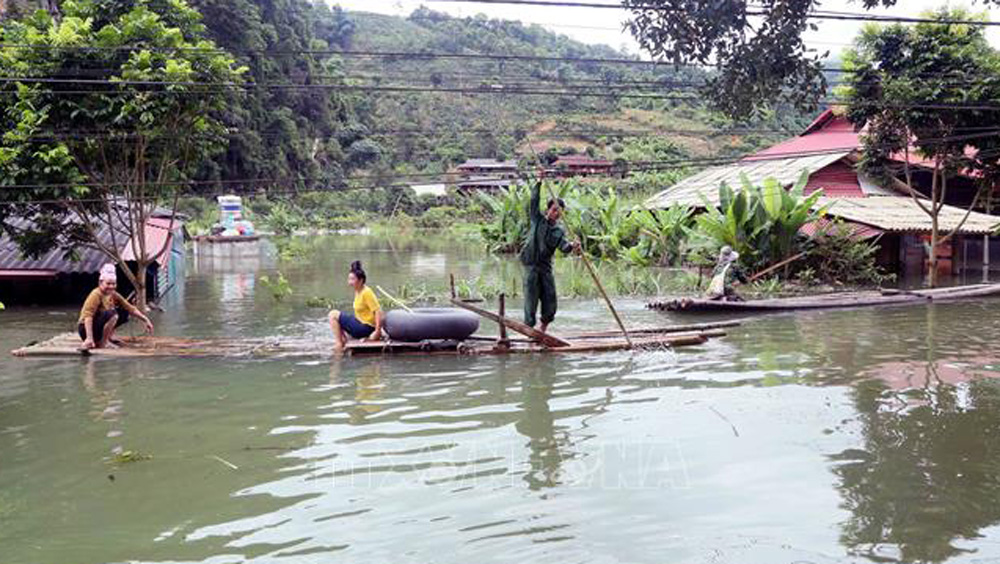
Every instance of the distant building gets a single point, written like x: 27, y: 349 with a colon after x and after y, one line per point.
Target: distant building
x: 436, y: 190
x: 491, y: 167
x: 58, y: 276
x: 486, y: 174
x: 568, y: 166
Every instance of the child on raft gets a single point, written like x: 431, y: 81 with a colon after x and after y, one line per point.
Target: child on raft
x: 104, y: 311
x: 366, y: 321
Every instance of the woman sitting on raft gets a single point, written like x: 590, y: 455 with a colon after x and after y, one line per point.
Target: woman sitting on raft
x: 104, y: 311
x: 366, y: 321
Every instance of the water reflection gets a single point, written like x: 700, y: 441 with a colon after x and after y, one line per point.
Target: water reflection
x: 538, y: 424
x: 926, y: 475
x: 925, y: 479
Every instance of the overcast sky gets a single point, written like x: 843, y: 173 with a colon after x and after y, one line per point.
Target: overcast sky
x: 598, y: 25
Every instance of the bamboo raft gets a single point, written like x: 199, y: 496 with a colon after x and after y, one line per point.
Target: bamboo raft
x: 885, y: 297
x: 68, y: 345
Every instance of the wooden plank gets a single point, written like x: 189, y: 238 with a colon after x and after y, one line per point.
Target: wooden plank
x: 516, y: 326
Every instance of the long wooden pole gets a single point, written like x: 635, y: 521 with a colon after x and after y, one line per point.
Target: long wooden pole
x: 590, y: 267
x: 393, y: 300
x: 774, y: 267
x: 545, y: 338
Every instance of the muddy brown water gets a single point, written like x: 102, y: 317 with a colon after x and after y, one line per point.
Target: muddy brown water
x: 844, y: 436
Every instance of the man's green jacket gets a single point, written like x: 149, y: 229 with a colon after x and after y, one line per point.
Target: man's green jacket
x: 544, y: 237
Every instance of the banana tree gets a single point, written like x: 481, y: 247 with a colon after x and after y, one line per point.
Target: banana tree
x: 661, y: 235
x: 787, y: 212
x: 739, y: 221
x: 761, y: 223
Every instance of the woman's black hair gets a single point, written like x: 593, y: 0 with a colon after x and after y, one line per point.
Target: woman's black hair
x: 359, y: 272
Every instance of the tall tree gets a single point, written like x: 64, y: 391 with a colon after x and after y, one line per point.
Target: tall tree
x: 106, y: 113
x: 757, y: 47
x: 927, y: 90
x: 294, y: 136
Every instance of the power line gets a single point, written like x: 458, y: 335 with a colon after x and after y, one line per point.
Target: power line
x: 494, y: 89
x: 635, y: 166
x: 816, y: 14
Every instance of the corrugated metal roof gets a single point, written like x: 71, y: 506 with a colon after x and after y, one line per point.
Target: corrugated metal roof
x: 901, y: 214
x: 826, y: 225
x: 688, y: 192
x: 83, y: 260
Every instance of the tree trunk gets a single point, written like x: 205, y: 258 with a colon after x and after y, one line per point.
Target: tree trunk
x: 986, y: 238
x: 933, y: 261
x: 935, y: 210
x: 140, y: 288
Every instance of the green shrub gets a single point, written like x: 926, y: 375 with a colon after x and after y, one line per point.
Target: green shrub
x: 438, y: 218
x: 838, y: 256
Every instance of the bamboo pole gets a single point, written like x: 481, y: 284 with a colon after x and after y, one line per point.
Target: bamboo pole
x: 393, y: 300
x: 590, y: 267
x: 774, y: 267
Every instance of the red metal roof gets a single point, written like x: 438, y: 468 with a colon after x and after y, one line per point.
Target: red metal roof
x: 158, y: 236
x: 838, y: 180
x: 828, y: 134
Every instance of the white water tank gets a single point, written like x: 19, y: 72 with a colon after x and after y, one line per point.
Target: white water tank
x: 230, y: 210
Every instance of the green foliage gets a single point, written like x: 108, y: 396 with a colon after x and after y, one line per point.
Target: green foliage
x: 283, y: 220
x: 439, y: 217
x: 319, y: 302
x: 279, y: 287
x: 123, y: 457
x: 607, y: 226
x: 317, y: 135
x: 508, y: 225
x: 759, y: 50
x: 127, y: 137
x: 662, y: 234
x: 761, y: 223
x: 838, y: 256
x: 915, y: 83
x: 201, y: 214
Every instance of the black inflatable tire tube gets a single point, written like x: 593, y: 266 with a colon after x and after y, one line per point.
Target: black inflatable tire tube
x: 424, y: 324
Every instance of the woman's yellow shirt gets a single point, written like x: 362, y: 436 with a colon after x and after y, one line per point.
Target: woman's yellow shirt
x: 366, y: 306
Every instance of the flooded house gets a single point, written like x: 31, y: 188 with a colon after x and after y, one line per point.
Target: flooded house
x: 828, y: 151
x: 67, y: 275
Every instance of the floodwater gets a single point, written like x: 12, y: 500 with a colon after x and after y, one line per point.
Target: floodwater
x: 846, y: 436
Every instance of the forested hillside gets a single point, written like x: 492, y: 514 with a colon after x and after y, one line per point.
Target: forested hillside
x: 654, y: 115
x: 336, y: 95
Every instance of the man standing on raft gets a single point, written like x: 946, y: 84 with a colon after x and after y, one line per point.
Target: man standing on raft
x: 104, y: 311
x: 544, y: 236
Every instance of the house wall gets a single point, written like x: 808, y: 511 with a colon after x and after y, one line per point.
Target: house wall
x: 70, y: 288
x: 63, y: 289
x: 970, y: 251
